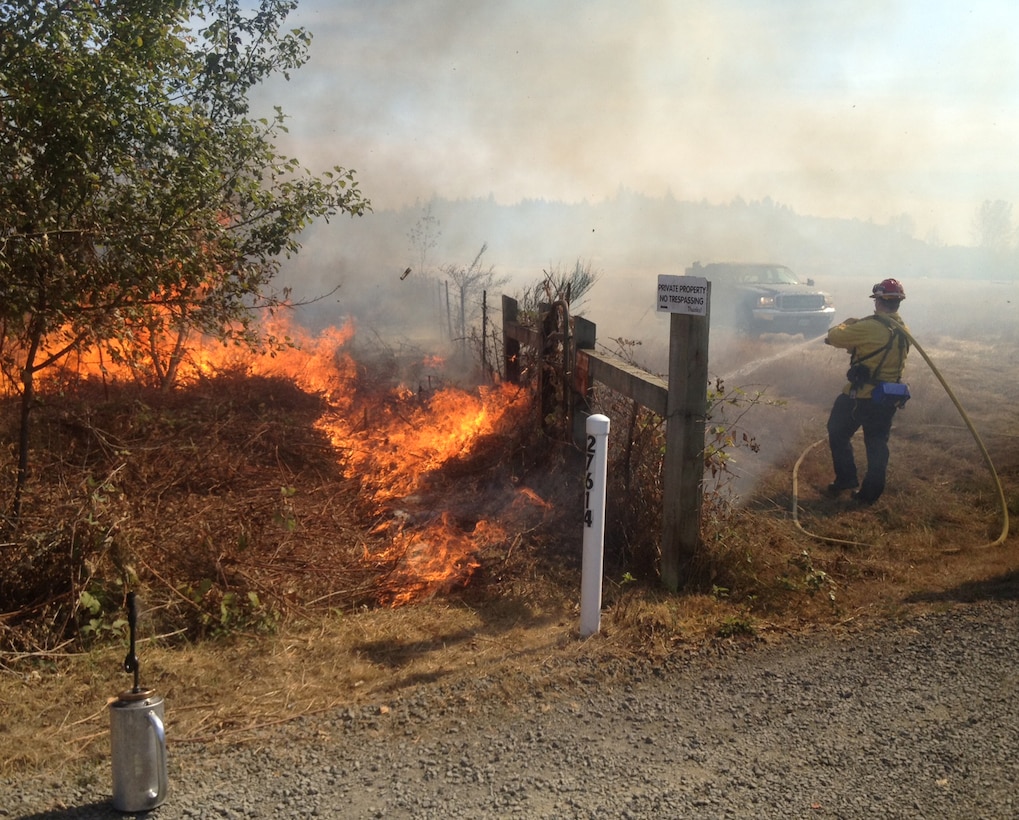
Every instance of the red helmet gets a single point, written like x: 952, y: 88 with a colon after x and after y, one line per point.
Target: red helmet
x: 890, y: 289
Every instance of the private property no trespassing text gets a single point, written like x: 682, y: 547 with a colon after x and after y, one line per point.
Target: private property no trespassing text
x: 682, y: 294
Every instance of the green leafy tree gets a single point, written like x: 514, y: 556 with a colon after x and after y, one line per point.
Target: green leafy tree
x: 139, y: 198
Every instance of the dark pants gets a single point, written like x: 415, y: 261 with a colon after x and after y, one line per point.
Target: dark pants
x: 847, y: 416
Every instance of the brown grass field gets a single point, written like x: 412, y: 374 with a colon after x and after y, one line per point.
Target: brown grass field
x: 286, y: 568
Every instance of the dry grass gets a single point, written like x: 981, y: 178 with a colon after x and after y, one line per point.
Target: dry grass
x: 221, y: 692
x: 213, y: 509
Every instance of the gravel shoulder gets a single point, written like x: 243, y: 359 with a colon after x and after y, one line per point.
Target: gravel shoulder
x: 913, y: 719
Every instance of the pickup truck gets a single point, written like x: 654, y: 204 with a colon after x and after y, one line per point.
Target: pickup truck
x: 756, y: 298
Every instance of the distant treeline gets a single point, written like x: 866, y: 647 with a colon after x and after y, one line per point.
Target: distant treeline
x: 628, y: 234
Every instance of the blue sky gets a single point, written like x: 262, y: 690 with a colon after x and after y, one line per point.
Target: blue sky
x: 848, y: 108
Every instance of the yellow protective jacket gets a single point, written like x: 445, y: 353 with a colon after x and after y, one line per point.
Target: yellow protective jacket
x: 866, y: 340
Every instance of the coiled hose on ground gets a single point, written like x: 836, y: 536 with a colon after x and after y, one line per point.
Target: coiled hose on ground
x: 976, y: 437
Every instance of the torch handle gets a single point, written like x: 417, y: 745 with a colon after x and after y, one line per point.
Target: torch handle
x: 131, y: 661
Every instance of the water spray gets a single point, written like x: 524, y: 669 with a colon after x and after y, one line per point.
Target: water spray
x: 758, y: 363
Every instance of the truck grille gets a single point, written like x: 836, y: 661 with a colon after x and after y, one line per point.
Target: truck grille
x: 801, y: 301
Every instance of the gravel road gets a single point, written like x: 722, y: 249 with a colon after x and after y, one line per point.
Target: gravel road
x: 917, y: 719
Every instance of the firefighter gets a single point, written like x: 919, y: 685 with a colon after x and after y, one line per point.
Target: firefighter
x: 878, y: 346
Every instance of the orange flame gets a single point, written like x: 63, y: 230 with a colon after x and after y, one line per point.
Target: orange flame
x: 437, y: 558
x: 392, y: 440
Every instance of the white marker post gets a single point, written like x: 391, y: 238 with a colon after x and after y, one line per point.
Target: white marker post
x: 594, y: 524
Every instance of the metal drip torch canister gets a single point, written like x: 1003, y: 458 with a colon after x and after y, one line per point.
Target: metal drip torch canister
x: 137, y: 738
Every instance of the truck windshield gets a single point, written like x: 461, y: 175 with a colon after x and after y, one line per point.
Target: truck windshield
x: 767, y: 275
x: 777, y: 276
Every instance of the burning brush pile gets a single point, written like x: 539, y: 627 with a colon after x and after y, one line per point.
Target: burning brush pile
x: 321, y: 476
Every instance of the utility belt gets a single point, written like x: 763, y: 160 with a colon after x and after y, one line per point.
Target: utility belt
x: 888, y: 393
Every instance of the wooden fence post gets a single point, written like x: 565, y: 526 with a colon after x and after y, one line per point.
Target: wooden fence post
x: 510, y: 343
x: 683, y: 469
x: 584, y: 335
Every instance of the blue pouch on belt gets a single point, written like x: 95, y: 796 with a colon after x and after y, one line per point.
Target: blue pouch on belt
x: 895, y: 393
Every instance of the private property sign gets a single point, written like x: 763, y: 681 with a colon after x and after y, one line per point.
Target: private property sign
x: 682, y: 294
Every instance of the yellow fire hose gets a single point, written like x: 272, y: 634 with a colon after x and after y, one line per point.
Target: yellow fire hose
x: 969, y: 424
